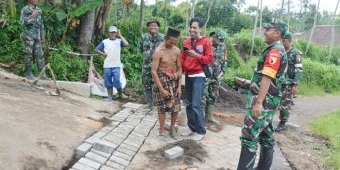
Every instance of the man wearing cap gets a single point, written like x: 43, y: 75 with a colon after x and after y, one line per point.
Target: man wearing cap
x: 33, y: 36
x: 110, y: 48
x: 166, y: 73
x: 217, y: 67
x: 293, y: 77
x: 263, y: 99
x: 148, y: 44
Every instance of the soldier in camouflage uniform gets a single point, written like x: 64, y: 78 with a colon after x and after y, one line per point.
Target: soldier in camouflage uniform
x: 32, y: 37
x: 148, y: 44
x: 217, y: 68
x: 263, y: 99
x: 293, y: 76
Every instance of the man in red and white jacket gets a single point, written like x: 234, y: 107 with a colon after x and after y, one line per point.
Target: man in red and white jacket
x: 197, y: 50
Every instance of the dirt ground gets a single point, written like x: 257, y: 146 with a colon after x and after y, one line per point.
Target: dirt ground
x: 39, y: 131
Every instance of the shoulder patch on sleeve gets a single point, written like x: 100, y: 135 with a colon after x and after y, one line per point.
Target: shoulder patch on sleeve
x: 274, y: 56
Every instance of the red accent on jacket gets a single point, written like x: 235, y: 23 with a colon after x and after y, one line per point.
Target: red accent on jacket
x: 193, y: 65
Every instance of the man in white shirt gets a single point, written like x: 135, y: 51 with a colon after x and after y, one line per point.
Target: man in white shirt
x: 110, y: 48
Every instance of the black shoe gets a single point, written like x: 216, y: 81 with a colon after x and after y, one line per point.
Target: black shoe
x: 280, y: 127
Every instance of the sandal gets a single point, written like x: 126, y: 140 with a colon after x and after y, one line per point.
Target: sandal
x: 173, y: 136
x: 162, y: 137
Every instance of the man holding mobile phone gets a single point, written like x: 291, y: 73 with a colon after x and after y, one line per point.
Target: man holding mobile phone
x: 197, y: 50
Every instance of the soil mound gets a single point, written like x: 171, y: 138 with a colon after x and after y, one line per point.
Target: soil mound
x: 230, y: 100
x: 192, y: 152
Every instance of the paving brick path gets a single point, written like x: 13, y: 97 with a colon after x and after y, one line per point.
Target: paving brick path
x: 121, y: 145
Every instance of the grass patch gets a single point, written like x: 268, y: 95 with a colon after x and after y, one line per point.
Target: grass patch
x: 310, y: 90
x: 328, y: 126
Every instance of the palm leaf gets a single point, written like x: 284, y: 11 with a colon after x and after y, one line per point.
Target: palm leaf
x: 85, y: 7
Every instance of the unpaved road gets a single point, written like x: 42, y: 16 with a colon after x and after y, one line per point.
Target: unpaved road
x: 39, y: 131
x: 302, y: 149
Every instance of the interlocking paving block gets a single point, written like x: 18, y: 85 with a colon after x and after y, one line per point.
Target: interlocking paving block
x: 104, y: 146
x: 115, y: 165
x: 82, y: 149
x: 80, y: 166
x: 132, y: 105
x: 104, y: 167
x: 89, y: 163
x: 132, y: 148
x: 119, y: 160
x: 94, y: 138
x: 126, y: 151
x: 123, y: 155
x: 174, y: 152
x: 95, y: 157
x: 103, y: 154
x: 132, y: 144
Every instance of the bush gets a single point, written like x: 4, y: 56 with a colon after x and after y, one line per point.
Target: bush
x: 71, y: 67
x: 325, y: 76
x: 245, y: 70
x: 243, y: 41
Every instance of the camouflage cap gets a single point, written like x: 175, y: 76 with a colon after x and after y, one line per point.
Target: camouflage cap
x: 282, y: 26
x: 153, y: 20
x: 288, y: 35
x: 220, y: 35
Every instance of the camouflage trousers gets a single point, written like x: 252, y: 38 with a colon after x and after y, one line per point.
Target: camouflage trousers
x: 211, y: 90
x: 260, y: 129
x: 147, y: 78
x: 286, y: 102
x: 32, y: 49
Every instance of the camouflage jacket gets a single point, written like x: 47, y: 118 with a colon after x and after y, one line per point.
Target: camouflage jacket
x: 33, y: 26
x: 148, y: 45
x: 217, y: 65
x: 278, y: 75
x: 294, y: 70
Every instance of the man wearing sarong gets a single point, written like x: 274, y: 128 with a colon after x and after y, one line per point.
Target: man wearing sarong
x: 166, y: 72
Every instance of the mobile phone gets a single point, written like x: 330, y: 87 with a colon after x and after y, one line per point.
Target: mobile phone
x: 186, y: 49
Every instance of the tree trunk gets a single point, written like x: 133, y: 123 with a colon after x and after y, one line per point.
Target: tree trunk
x: 142, y: 6
x: 86, y: 31
x: 282, y: 7
x: 211, y: 4
x: 103, y: 15
x: 193, y: 8
x: 254, y: 30
x: 314, y: 23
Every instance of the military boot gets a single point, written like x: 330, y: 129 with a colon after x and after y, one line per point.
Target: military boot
x: 266, y: 158
x: 28, y: 71
x: 247, y: 159
x: 109, y: 95
x: 209, y: 113
x: 121, y: 94
x: 280, y: 127
x: 41, y: 65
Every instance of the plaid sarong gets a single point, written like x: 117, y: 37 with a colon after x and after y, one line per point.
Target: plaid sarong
x: 167, y: 105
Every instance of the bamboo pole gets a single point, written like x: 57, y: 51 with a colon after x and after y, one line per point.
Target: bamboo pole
x: 311, y: 34
x: 333, y: 30
x: 254, y: 30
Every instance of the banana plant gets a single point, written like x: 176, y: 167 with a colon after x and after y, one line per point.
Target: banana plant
x: 12, y: 11
x: 72, y: 14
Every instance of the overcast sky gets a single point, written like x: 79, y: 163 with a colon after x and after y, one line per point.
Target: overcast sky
x: 328, y: 5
